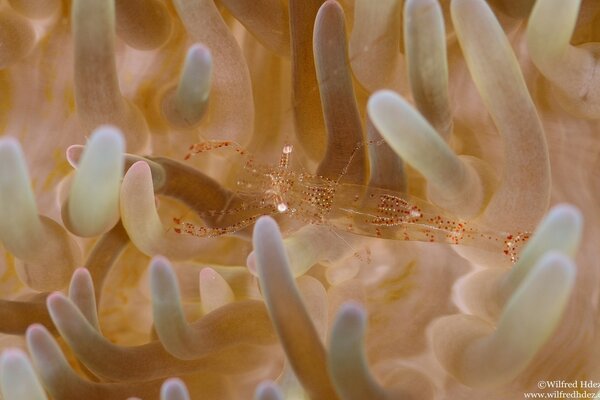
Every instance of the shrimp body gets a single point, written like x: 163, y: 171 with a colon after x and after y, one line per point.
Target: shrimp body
x: 358, y: 209
x: 391, y: 215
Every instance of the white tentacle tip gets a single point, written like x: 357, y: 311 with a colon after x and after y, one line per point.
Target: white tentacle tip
x: 215, y: 292
x: 562, y: 219
x: 93, y: 205
x: 351, y: 318
x: 268, y: 390
x: 174, y: 389
x: 199, y: 60
x: 382, y: 102
x: 193, y: 90
x: 265, y: 225
x: 17, y: 377
x: 13, y: 167
x: 554, y: 273
x: 9, y: 144
x: 163, y: 283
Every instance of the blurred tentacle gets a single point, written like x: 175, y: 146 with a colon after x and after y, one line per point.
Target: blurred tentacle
x: 478, y: 355
x: 310, y: 245
x: 143, y: 24
x: 81, y: 293
x: 523, y: 194
x: 516, y: 9
x: 231, y: 109
x: 345, y: 154
x: 46, y: 253
x: 147, y: 362
x: 485, y: 292
x: 97, y: 93
x: 104, y: 254
x: 561, y: 230
x: 297, y: 334
x: 220, y: 328
x: 453, y: 182
x: 142, y: 222
x: 347, y: 360
x: 197, y: 190
x: 572, y: 71
x: 35, y: 8
x: 268, y: 20
x: 186, y: 104
x: 425, y: 47
x: 18, y: 380
x: 268, y: 390
x: 16, y: 316
x: 63, y: 383
x: 17, y: 37
x: 174, y: 389
x: 386, y: 167
x: 92, y: 207
x: 308, y: 113
x: 75, y: 152
x: 215, y: 292
x: 375, y: 44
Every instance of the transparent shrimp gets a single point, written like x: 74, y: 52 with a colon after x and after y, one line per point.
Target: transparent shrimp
x: 358, y: 209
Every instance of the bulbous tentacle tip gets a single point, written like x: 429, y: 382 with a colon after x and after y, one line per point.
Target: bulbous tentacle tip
x: 265, y: 232
x: 174, y: 389
x: 200, y: 54
x: 169, y: 321
x: 45, y: 353
x: 17, y: 202
x: 232, y: 107
x: 81, y: 277
x: 251, y: 263
x: 268, y: 390
x: 93, y: 204
x: 215, y: 292
x: 17, y: 377
x: 353, y: 313
x: 425, y: 48
x: 347, y: 357
x: 82, y: 294
x: 265, y: 222
x: 185, y: 105
x: 163, y: 284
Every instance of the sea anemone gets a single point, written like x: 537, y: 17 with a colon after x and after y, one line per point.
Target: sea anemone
x: 277, y: 199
